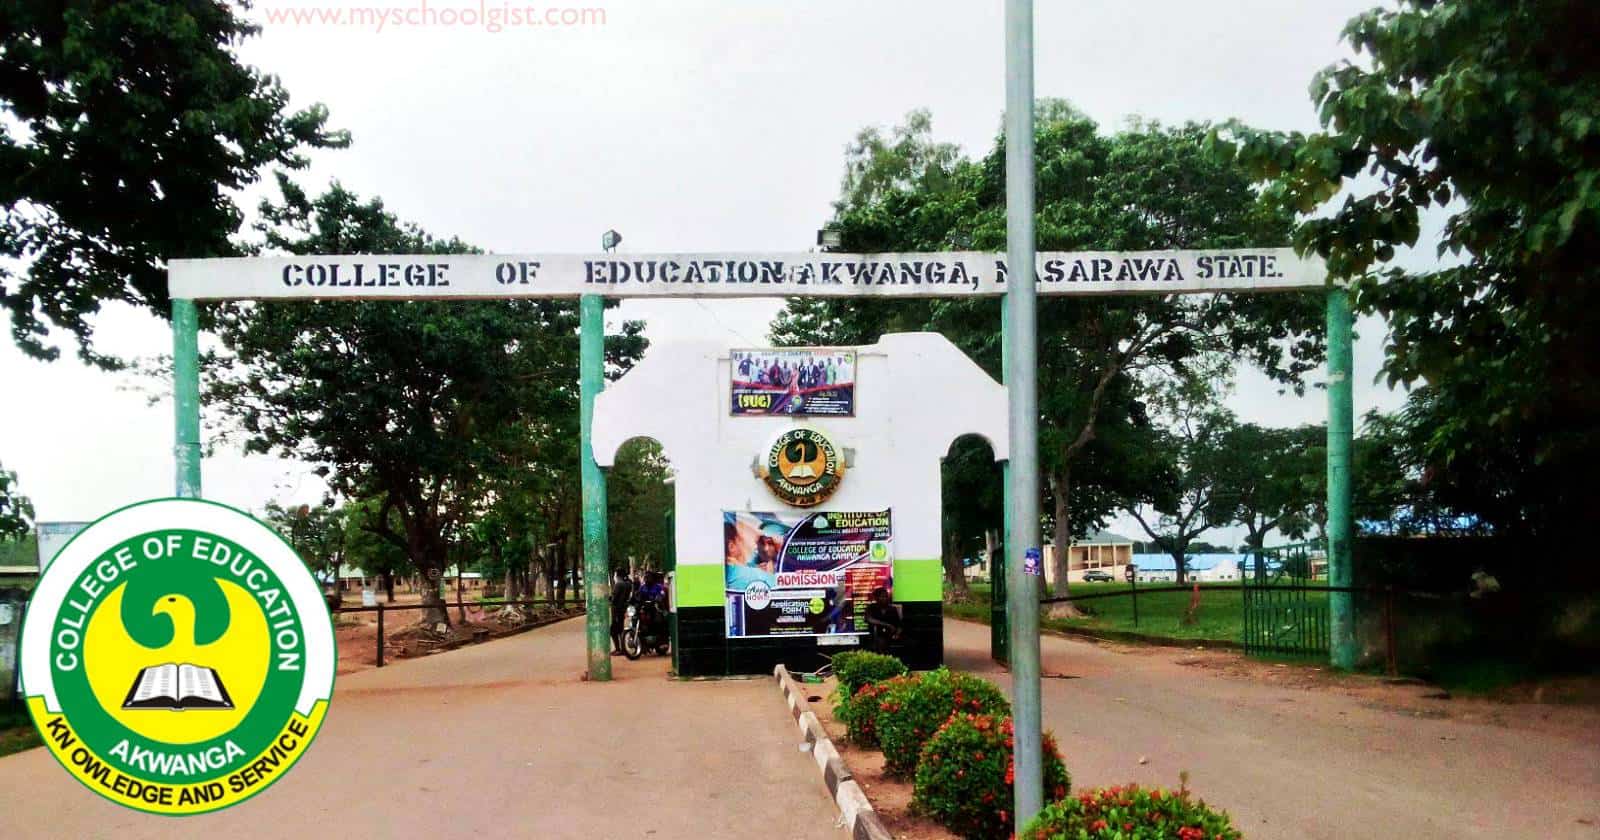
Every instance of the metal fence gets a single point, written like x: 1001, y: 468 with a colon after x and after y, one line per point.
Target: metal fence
x: 568, y: 608
x: 1281, y: 618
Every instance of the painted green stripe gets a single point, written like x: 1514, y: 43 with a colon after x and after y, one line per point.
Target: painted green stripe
x: 699, y: 585
x: 918, y: 580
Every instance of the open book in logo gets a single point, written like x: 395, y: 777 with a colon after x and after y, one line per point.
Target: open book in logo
x: 176, y: 687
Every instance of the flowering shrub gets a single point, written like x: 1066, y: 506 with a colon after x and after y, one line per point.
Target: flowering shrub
x: 856, y: 669
x: 860, y: 718
x: 965, y: 776
x: 1130, y: 812
x: 909, y: 713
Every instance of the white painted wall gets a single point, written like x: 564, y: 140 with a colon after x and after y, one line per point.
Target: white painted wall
x: 915, y: 394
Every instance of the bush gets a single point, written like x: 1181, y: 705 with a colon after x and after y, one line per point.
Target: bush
x: 860, y: 718
x: 1130, y: 813
x: 856, y: 669
x: 964, y: 776
x: 909, y: 713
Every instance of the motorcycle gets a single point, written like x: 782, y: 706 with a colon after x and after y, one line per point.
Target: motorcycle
x: 644, y: 629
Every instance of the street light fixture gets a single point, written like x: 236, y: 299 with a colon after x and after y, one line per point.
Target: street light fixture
x: 829, y: 239
x: 610, y: 240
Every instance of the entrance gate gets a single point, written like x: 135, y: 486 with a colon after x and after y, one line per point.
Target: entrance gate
x: 1283, y: 616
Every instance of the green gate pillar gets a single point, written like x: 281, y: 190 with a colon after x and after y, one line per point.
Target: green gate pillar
x: 186, y: 397
x: 596, y: 568
x: 1341, y: 423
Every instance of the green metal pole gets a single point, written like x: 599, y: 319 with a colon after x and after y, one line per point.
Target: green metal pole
x: 1023, y: 571
x: 596, y: 571
x: 186, y: 396
x: 1341, y: 423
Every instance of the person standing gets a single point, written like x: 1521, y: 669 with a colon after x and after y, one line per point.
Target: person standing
x: 621, y: 594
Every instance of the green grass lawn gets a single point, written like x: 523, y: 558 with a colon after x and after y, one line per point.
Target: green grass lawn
x: 1220, y: 616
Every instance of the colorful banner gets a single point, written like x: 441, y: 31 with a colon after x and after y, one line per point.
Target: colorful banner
x: 811, y: 574
x: 801, y: 382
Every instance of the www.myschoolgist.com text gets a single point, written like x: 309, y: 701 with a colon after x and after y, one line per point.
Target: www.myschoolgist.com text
x: 492, y: 16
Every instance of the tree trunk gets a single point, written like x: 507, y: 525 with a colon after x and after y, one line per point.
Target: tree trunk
x: 954, y: 572
x: 388, y: 585
x: 1061, y: 541
x: 561, y: 573
x: 428, y: 555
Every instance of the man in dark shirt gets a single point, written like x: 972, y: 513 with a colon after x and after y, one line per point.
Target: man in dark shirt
x: 883, y: 620
x: 621, y: 594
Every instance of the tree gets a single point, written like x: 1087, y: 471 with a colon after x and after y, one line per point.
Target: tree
x: 974, y: 502
x: 16, y: 512
x: 1270, y: 479
x: 1145, y: 187
x: 417, y: 404
x: 365, y: 546
x: 639, y: 498
x: 317, y: 534
x: 1192, y: 498
x: 129, y: 128
x: 1487, y: 114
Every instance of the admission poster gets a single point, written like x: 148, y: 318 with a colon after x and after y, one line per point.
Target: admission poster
x: 802, y: 382
x: 804, y: 574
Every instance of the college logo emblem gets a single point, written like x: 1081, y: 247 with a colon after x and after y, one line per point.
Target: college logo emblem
x: 177, y: 656
x: 803, y: 467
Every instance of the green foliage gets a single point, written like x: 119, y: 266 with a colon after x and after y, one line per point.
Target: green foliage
x: 911, y: 711
x: 435, y: 409
x: 965, y: 776
x: 16, y: 511
x: 1145, y: 187
x: 860, y: 715
x: 317, y: 534
x: 1487, y: 114
x: 854, y: 669
x: 128, y: 129
x: 638, y: 499
x: 1130, y: 812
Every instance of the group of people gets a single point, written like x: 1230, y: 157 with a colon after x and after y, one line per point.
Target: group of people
x: 783, y: 374
x: 641, y: 588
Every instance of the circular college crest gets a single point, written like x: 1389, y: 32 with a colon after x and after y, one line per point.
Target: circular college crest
x: 177, y: 656
x: 803, y: 468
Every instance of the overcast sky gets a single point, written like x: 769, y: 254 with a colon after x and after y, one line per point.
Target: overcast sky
x: 685, y: 126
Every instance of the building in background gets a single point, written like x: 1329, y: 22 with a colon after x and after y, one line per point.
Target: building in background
x: 1101, y: 552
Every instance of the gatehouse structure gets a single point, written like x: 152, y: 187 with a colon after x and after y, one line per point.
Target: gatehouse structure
x: 889, y: 412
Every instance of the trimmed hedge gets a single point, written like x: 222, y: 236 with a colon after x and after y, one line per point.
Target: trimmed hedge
x: 911, y: 711
x: 861, y: 716
x: 965, y: 776
x: 855, y: 670
x: 1129, y: 812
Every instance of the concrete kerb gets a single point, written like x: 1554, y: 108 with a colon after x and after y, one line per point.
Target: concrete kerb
x: 859, y: 817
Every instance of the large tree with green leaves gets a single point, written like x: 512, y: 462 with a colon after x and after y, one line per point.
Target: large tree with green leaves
x: 1145, y: 187
x: 1487, y: 114
x: 129, y: 128
x: 418, y: 404
x: 639, y: 498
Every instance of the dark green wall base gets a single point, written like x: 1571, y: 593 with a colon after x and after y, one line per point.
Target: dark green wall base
x: 701, y: 649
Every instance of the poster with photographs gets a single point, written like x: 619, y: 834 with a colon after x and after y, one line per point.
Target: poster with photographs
x: 797, y: 382
x: 804, y: 574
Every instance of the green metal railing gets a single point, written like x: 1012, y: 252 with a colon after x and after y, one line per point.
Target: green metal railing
x: 1284, y: 614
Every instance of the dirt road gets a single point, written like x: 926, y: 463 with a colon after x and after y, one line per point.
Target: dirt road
x: 1292, y: 762
x: 498, y: 740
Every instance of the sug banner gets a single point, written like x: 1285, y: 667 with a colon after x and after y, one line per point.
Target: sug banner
x: 799, y: 382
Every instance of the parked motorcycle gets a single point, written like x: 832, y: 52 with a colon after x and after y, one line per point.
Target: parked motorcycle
x: 644, y: 628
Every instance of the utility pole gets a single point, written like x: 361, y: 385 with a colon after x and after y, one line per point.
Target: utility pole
x: 1023, y: 561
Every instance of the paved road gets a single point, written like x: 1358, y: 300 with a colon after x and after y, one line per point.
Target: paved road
x: 498, y: 740
x: 1296, y: 764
